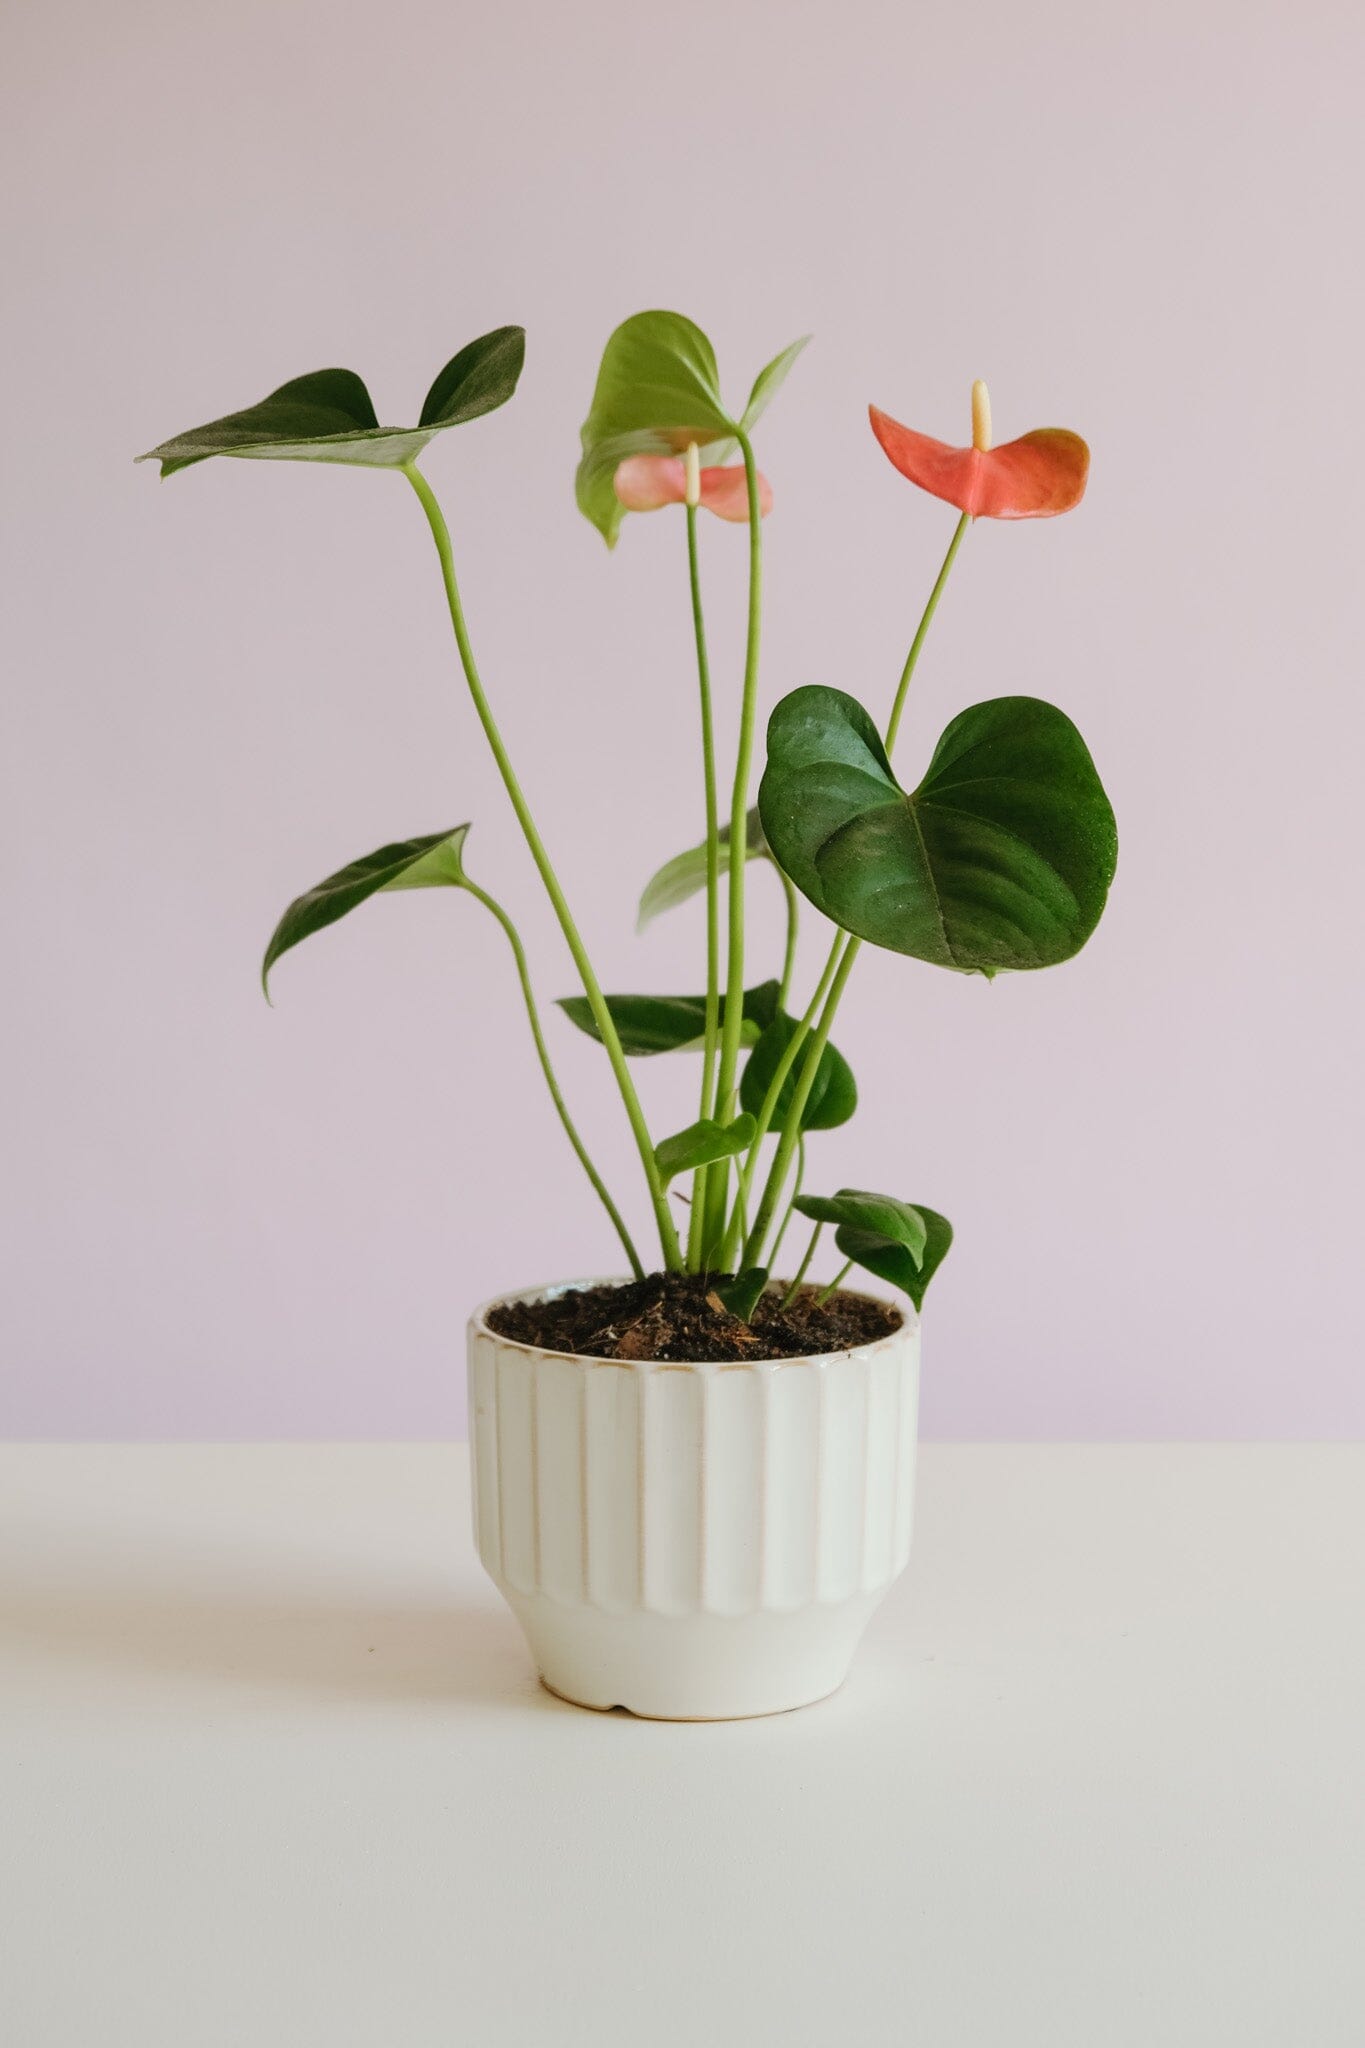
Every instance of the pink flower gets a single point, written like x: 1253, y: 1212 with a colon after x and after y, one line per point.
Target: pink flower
x: 1035, y: 477
x: 645, y: 482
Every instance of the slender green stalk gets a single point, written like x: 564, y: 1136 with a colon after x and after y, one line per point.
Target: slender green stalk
x: 668, y: 1236
x: 739, y: 803
x: 490, y: 903
x: 894, y: 722
x: 701, y: 1179
x: 793, y: 924
x: 825, y: 1292
x: 789, y: 1211
x: 791, y: 1127
x: 768, y: 1108
x: 850, y: 946
x: 804, y: 1267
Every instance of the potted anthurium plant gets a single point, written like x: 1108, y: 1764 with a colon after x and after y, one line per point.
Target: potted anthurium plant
x: 694, y: 1485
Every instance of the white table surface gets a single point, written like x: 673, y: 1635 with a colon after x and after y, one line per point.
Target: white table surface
x: 275, y: 1773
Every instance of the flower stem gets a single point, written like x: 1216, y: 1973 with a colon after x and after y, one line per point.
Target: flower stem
x: 490, y: 903
x: 894, y: 722
x: 789, y: 1211
x: 739, y: 804
x: 701, y: 1179
x: 668, y: 1236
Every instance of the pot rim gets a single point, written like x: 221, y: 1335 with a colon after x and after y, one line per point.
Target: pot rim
x: 478, y: 1326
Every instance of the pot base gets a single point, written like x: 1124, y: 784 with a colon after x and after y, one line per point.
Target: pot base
x: 692, y: 1667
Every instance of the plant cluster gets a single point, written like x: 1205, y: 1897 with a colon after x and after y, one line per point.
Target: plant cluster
x: 999, y: 859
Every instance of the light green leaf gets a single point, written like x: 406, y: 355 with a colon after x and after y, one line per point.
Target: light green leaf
x: 328, y: 416
x: 685, y: 874
x: 902, y: 1242
x: 1002, y: 858
x: 432, y: 862
x: 701, y: 1144
x: 658, y: 389
x: 769, y: 382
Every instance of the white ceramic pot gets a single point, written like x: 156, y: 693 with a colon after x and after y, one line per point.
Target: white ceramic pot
x: 693, y: 1542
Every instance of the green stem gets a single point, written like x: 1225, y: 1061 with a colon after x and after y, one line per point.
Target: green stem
x: 791, y: 1127
x: 701, y: 1179
x: 768, y: 1108
x: 894, y: 722
x: 790, y: 1209
x: 850, y: 946
x: 804, y: 1267
x: 490, y: 903
x: 739, y: 803
x: 789, y: 957
x: 668, y: 1236
x: 823, y: 1296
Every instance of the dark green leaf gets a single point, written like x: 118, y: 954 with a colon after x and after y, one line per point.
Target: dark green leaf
x: 685, y: 874
x: 328, y: 416
x: 741, y: 1295
x: 701, y: 1144
x: 902, y: 1242
x: 478, y: 380
x: 650, y: 1024
x: 432, y: 862
x: 834, y: 1092
x: 1002, y: 858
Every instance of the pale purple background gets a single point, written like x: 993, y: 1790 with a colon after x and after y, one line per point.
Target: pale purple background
x: 221, y: 1220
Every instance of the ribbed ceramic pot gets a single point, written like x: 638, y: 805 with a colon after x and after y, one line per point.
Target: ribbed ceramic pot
x: 693, y: 1542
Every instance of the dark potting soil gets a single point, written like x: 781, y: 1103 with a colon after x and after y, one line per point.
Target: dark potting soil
x: 679, y: 1317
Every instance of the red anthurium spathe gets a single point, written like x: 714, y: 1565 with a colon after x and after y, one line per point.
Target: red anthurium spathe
x: 1036, y: 477
x: 645, y: 482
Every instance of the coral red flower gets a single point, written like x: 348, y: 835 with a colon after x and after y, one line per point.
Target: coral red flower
x: 1035, y: 477
x: 645, y: 482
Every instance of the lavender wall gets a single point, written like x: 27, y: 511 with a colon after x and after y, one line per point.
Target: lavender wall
x: 222, y: 1220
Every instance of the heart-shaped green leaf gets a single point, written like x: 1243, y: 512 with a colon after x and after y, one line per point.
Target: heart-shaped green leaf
x: 741, y: 1295
x: 902, y: 1242
x: 328, y: 416
x: 433, y: 862
x: 658, y: 389
x: 834, y: 1092
x: 701, y: 1144
x: 685, y: 874
x: 1002, y: 858
x: 650, y: 1024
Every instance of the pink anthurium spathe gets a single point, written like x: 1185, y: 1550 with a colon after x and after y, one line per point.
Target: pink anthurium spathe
x: 1036, y: 477
x: 643, y: 483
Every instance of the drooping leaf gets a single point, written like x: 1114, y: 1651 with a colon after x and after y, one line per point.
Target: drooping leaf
x: 701, y: 1144
x: 1001, y: 859
x: 328, y: 416
x: 902, y: 1242
x: 834, y: 1092
x: 741, y: 1295
x: 684, y: 875
x: 658, y: 389
x: 769, y: 382
x: 651, y: 1024
x: 432, y: 862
